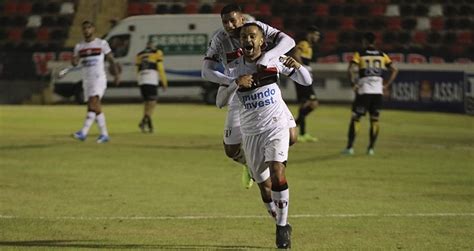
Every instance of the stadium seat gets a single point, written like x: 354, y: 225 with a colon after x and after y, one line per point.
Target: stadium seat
x: 10, y: 7
x: 58, y: 34
x: 409, y: 23
x: 49, y: 21
x: 423, y: 23
x: 450, y: 11
x: 29, y: 34
x: 276, y: 22
x: 250, y: 9
x: 321, y: 10
x: 24, y: 8
x: 465, y: 37
x: 42, y: 34
x: 161, y: 9
x: 176, y: 9
x: 389, y: 37
x: 205, y: 9
x: 347, y: 23
x: 67, y: 8
x: 465, y: 24
x: 133, y: 9
x: 15, y: 34
x: 278, y: 9
x: 449, y: 38
x: 265, y: 9
x: 362, y: 10
x: 3, y: 34
x: 52, y: 7
x: 19, y: 21
x: 377, y: 23
x: 406, y: 10
x: 333, y: 23
x: 34, y: 21
x: 191, y: 8
x: 217, y: 8
x: 434, y: 37
x: 147, y: 9
x: 392, y: 10
x: 435, y: 10
x: 290, y: 23
x: 38, y: 7
x: 420, y: 37
x: 404, y: 37
x: 345, y: 37
x: 466, y: 10
x: 362, y: 23
x: 330, y: 37
x: 377, y: 10
x: 437, y: 23
x: 65, y: 21
x: 335, y: 10
x: 421, y: 10
x: 348, y: 10
x: 394, y: 23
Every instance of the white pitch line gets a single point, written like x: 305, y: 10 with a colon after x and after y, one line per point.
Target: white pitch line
x: 210, y: 217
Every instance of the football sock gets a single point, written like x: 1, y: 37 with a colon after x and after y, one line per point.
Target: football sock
x: 101, y: 123
x: 282, y: 201
x: 90, y: 117
x: 240, y: 157
x: 374, y: 132
x: 353, y: 129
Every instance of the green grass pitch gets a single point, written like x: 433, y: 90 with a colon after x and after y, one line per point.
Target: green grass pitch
x: 176, y: 190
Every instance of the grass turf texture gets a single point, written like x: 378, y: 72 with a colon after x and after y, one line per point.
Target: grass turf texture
x: 134, y: 192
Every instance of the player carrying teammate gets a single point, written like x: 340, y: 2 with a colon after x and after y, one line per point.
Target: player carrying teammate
x: 223, y: 49
x: 264, y: 121
x: 91, y: 53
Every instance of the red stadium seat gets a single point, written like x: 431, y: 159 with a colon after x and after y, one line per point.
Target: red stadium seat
x: 321, y: 10
x: 24, y: 8
x: 277, y: 22
x: 42, y: 34
x: 437, y: 23
x: 347, y: 23
x: 15, y: 34
x: 191, y: 8
x: 265, y: 9
x: 10, y: 7
x: 420, y: 37
x: 330, y: 38
x: 394, y: 23
x: 133, y: 9
x: 147, y: 9
x: 377, y: 10
x: 217, y: 8
x: 465, y: 37
x: 250, y: 9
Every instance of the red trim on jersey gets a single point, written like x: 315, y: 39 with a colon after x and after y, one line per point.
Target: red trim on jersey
x: 90, y: 52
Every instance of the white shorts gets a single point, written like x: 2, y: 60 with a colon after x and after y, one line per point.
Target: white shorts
x: 232, y: 134
x: 94, y: 87
x: 271, y: 145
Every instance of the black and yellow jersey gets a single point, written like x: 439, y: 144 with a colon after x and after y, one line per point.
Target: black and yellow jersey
x: 306, y: 52
x: 371, y: 62
x: 148, y: 59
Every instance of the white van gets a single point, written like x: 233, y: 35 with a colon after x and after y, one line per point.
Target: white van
x: 183, y: 40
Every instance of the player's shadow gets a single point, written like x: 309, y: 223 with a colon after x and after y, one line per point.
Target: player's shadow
x: 97, y: 245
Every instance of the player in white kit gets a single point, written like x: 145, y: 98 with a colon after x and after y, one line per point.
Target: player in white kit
x: 90, y: 53
x: 223, y: 49
x: 264, y: 122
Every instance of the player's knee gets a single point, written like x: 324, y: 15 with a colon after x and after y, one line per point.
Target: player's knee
x: 314, y: 104
x: 356, y: 116
x: 232, y: 151
x: 293, y: 136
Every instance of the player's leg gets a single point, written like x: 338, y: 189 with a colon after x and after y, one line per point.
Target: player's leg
x: 150, y: 95
x: 276, y: 155
x: 90, y: 116
x: 293, y: 136
x: 358, y: 110
x: 308, y: 102
x: 233, y: 147
x: 374, y: 111
x: 96, y: 94
x: 292, y: 126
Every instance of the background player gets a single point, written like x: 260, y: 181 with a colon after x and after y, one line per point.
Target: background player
x: 149, y: 66
x: 305, y: 95
x: 91, y: 53
x: 371, y: 63
x: 223, y: 49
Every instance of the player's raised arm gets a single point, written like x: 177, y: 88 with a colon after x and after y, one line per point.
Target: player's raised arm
x: 298, y: 73
x: 211, y: 64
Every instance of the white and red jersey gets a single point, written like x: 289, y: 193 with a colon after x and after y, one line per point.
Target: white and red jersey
x: 262, y: 108
x: 92, y: 55
x: 224, y: 49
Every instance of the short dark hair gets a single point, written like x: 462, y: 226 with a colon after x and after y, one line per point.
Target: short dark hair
x: 369, y: 37
x: 252, y: 24
x: 230, y: 8
x: 312, y: 28
x: 88, y: 22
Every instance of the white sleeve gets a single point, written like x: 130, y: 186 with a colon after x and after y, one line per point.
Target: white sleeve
x: 105, y: 47
x: 210, y: 72
x: 224, y: 93
x: 76, y: 50
x: 281, y: 41
x: 301, y: 76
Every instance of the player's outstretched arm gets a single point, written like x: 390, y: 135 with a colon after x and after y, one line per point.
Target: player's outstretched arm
x: 210, y: 73
x: 224, y: 93
x: 299, y: 74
